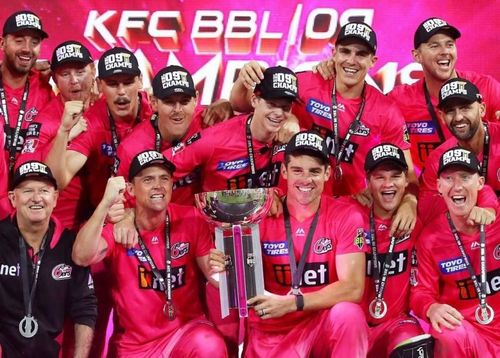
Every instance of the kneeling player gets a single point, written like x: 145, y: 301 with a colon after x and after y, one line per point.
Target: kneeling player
x: 155, y: 292
x: 316, y: 282
x: 459, y: 266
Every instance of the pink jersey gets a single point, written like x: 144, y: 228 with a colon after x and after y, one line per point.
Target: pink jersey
x: 221, y: 154
x: 136, y: 293
x: 96, y: 144
x: 339, y: 231
x: 424, y: 133
x: 72, y: 206
x: 40, y: 93
x: 143, y: 137
x: 443, y: 277
x: 397, y: 288
x: 381, y: 121
x: 430, y: 203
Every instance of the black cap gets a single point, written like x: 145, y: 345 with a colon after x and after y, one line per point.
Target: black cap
x: 32, y: 170
x: 382, y: 153
x: 173, y: 80
x: 458, y: 89
x: 278, y: 82
x: 459, y: 157
x: 118, y: 61
x: 432, y: 26
x: 360, y: 31
x: 23, y: 20
x: 147, y: 159
x: 70, y: 52
x: 309, y: 143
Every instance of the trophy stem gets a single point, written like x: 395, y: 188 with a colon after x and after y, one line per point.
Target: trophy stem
x: 241, y: 290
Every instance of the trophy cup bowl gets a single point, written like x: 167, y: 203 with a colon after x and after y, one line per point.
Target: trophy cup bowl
x: 235, y: 207
x: 235, y: 214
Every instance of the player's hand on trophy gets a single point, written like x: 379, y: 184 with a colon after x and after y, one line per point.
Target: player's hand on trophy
x: 403, y: 222
x: 125, y: 232
x: 481, y: 216
x: 217, y: 261
x: 71, y: 116
x: 325, y: 68
x: 273, y: 306
x: 251, y: 73
x: 288, y: 130
x: 444, y: 315
x: 217, y: 112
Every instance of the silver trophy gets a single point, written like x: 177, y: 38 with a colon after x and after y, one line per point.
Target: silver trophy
x: 235, y: 214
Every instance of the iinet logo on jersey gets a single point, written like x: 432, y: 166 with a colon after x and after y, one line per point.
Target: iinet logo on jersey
x: 9, y: 270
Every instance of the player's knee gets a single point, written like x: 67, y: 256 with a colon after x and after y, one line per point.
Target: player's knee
x: 450, y: 336
x: 207, y: 342
x: 347, y: 313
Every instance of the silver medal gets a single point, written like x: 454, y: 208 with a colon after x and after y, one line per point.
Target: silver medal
x: 28, y: 326
x: 169, y: 311
x: 377, y: 308
x: 484, y: 315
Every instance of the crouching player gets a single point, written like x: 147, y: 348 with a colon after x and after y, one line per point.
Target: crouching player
x: 459, y: 266
x: 155, y: 291
x: 393, y: 331
x: 315, y: 283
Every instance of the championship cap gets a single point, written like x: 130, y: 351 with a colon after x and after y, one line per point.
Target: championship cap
x: 23, y: 20
x: 432, y: 26
x: 459, y: 157
x: 360, y: 31
x: 458, y: 89
x: 384, y: 153
x: 70, y: 52
x: 173, y: 80
x: 309, y: 143
x: 118, y: 61
x: 278, y: 82
x: 147, y: 159
x: 32, y: 170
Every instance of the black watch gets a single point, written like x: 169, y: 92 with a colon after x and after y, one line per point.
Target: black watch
x: 299, y: 301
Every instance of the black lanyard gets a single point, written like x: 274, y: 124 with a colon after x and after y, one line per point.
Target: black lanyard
x: 250, y: 151
x: 165, y: 283
x: 378, y: 307
x: 486, y: 152
x: 29, y: 295
x: 154, y: 122
x: 432, y: 112
x: 295, y: 269
x: 12, y: 139
x: 114, y: 136
x: 480, y: 287
x: 353, y: 127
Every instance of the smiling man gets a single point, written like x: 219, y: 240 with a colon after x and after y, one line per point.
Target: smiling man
x: 350, y: 114
x: 156, y: 283
x: 241, y: 153
x: 176, y: 118
x: 42, y: 285
x: 315, y: 282
x: 459, y: 266
x: 435, y: 49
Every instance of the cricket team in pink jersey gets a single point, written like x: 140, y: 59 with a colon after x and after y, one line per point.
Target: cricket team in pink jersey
x: 381, y: 239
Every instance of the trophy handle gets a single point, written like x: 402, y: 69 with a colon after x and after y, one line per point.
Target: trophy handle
x: 259, y: 269
x: 223, y: 282
x: 241, y: 290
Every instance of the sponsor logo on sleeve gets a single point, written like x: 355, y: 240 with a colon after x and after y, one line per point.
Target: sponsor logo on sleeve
x: 359, y: 239
x: 61, y: 272
x: 322, y: 110
x: 452, y: 266
x: 107, y: 150
x: 278, y: 248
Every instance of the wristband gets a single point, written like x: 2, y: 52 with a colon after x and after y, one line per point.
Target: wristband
x: 299, y: 301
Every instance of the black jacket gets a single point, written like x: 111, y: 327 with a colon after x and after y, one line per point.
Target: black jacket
x: 63, y: 290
